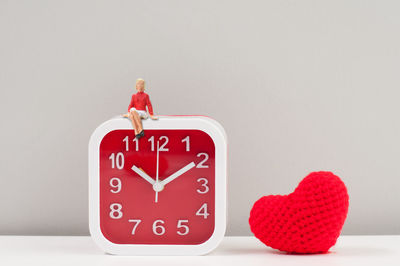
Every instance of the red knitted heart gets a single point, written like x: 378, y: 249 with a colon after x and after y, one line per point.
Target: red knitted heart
x: 309, y: 220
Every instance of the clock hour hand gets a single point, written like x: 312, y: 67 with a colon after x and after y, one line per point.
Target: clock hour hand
x: 177, y: 173
x: 143, y: 175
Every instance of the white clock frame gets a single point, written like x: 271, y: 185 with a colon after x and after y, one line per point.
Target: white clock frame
x: 205, y: 124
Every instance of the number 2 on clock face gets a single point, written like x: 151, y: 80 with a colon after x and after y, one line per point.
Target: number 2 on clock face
x: 159, y: 189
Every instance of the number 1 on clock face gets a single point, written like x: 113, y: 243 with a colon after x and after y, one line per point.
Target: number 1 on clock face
x: 159, y: 189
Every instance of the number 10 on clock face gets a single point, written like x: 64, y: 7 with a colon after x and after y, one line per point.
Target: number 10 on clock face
x: 163, y: 190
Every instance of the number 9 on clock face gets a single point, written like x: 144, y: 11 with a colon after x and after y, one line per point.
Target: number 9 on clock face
x: 164, y: 194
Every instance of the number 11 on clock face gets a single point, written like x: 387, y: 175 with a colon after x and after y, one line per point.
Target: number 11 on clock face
x: 159, y: 190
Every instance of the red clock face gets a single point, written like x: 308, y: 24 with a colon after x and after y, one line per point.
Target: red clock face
x: 159, y: 189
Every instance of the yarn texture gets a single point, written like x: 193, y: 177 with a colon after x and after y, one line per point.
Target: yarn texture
x: 309, y: 220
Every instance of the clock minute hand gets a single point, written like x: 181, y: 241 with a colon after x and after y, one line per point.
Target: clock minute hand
x: 143, y: 175
x: 177, y: 173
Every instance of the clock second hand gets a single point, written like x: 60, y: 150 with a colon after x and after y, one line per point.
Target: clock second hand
x: 158, y: 158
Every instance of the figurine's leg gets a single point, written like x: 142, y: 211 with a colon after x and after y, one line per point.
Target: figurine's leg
x: 138, y: 120
x: 134, y: 122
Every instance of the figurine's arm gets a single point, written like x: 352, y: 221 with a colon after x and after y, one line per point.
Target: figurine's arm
x: 131, y: 104
x: 150, y: 108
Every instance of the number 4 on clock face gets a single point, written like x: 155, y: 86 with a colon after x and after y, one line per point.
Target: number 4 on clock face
x: 166, y: 191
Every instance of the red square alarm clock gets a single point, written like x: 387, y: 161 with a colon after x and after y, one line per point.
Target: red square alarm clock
x: 164, y: 194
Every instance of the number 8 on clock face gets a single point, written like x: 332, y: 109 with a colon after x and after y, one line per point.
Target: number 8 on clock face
x: 164, y: 194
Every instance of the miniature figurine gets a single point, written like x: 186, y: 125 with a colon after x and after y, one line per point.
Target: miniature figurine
x: 137, y: 108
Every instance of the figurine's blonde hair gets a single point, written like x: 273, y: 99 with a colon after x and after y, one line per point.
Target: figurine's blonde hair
x: 144, y: 82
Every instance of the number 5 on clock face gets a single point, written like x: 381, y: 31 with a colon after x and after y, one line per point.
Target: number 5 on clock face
x: 162, y: 194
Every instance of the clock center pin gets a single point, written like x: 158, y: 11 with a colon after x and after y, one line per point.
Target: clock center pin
x: 157, y: 186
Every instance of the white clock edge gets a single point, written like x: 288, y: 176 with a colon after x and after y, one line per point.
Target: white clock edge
x: 206, y: 124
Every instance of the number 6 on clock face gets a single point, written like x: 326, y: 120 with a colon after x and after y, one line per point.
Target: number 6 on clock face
x: 164, y: 194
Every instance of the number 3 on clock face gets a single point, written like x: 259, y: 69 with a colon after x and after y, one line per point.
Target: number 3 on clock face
x: 164, y: 194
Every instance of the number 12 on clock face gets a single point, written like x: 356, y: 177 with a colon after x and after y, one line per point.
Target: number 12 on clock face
x: 163, y: 194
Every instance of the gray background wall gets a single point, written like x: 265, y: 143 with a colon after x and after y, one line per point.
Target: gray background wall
x: 298, y: 85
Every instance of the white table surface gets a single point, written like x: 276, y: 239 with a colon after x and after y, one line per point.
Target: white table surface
x: 81, y: 250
